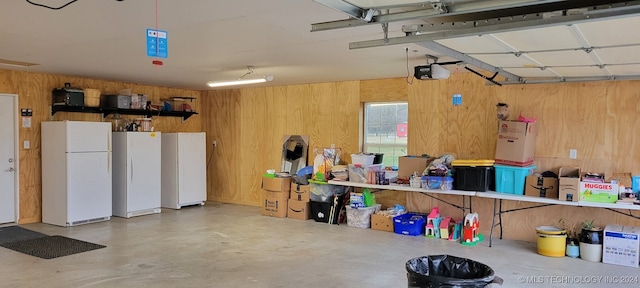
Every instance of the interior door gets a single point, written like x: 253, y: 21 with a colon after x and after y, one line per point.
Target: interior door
x: 8, y: 171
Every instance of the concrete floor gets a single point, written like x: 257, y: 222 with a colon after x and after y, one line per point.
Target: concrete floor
x: 225, y: 245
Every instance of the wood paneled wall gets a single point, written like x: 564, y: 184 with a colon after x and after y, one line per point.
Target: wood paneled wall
x: 34, y: 91
x: 249, y: 126
x: 596, y: 118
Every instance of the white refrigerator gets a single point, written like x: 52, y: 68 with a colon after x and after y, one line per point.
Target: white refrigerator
x: 184, y: 169
x: 76, y: 172
x: 136, y: 173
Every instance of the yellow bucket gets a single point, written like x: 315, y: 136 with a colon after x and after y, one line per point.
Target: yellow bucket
x: 552, y: 245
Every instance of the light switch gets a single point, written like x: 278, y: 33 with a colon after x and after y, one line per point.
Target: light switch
x: 573, y: 153
x: 27, y: 144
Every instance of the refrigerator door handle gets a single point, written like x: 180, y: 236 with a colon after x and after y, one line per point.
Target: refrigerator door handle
x: 109, y: 163
x: 109, y: 148
x: 132, y: 170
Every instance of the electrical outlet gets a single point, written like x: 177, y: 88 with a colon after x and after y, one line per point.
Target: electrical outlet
x: 573, y: 153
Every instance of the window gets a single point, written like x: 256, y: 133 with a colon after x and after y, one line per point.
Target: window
x: 385, y: 130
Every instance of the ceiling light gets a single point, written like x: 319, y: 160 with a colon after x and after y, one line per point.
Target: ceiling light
x: 241, y: 80
x: 13, y: 63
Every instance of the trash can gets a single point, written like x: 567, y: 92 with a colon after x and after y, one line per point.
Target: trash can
x: 448, y: 271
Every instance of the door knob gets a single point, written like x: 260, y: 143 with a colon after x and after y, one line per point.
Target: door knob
x: 10, y: 169
x: 10, y: 160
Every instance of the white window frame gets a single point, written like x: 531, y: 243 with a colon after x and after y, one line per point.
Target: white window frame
x: 366, y: 146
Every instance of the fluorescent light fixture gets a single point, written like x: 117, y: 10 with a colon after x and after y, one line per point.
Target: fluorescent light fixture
x: 13, y: 63
x: 239, y: 82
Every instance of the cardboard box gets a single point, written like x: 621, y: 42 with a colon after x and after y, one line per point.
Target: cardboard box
x: 538, y: 186
x: 623, y: 178
x: 300, y: 192
x: 298, y: 209
x: 409, y: 164
x: 569, y: 184
x: 598, y: 192
x: 275, y: 204
x: 621, y: 245
x: 381, y: 222
x: 276, y: 184
x: 516, y: 144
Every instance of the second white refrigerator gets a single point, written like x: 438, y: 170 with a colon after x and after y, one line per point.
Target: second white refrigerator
x: 136, y: 173
x: 184, y: 170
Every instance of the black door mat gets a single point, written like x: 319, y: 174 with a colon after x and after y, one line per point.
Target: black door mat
x: 11, y: 234
x: 50, y: 247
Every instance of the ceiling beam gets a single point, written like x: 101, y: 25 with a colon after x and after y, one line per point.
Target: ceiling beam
x: 535, y: 80
x: 342, y: 6
x: 437, y: 47
x: 467, y: 11
x: 507, y: 25
x: 377, y: 19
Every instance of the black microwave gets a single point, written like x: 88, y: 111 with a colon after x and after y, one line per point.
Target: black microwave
x: 68, y: 96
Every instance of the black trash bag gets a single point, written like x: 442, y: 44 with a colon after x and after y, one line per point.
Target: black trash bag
x: 448, y: 271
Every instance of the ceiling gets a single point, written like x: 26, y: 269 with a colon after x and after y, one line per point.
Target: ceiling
x: 321, y: 41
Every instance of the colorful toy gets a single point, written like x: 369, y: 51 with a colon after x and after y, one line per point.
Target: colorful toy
x: 432, y: 229
x: 445, y: 225
x: 455, y: 230
x: 471, y: 230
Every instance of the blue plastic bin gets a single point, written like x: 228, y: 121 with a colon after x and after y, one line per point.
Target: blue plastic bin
x: 635, y: 183
x: 409, y: 224
x: 511, y: 179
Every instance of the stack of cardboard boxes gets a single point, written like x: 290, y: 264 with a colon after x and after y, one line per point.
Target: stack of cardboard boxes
x: 299, y: 202
x: 283, y: 198
x: 276, y: 195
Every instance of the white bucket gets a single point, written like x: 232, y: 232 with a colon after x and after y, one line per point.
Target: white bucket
x: 591, y: 252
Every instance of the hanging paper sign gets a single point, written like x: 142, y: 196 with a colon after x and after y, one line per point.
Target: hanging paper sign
x: 157, y: 43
